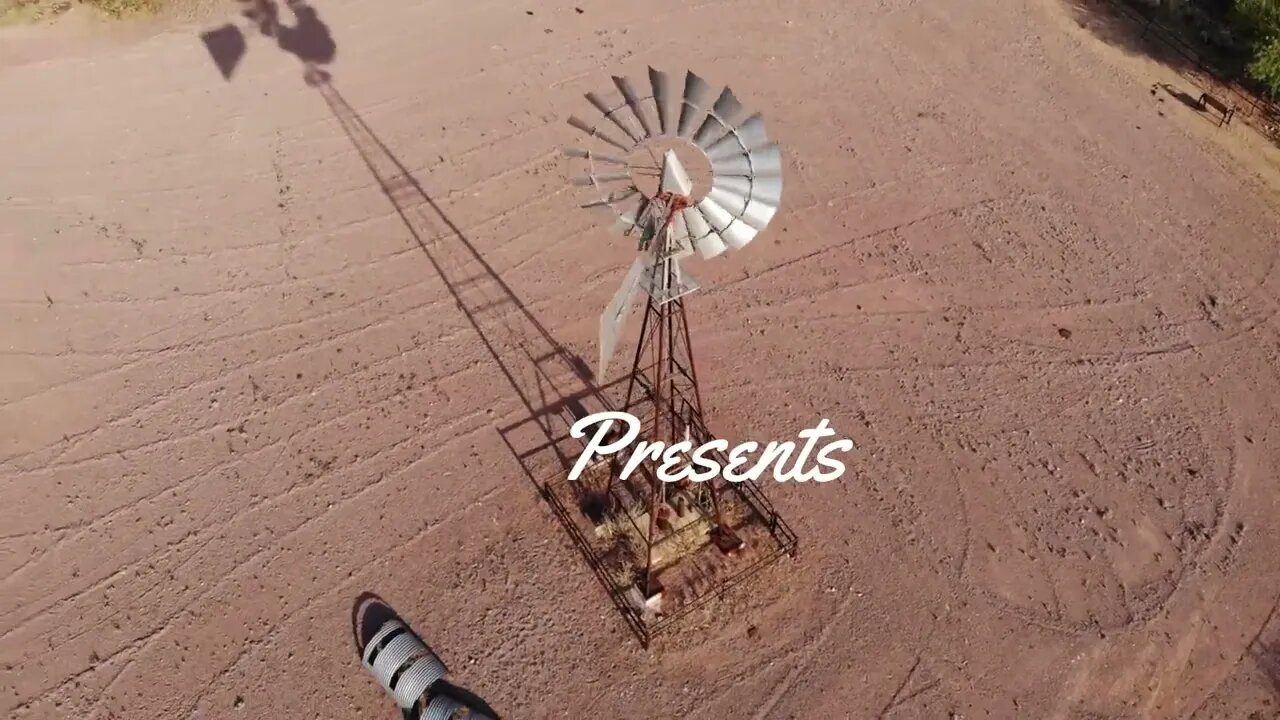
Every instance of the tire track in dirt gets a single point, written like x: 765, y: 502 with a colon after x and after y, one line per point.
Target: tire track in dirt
x: 130, y: 652
x: 194, y: 535
x: 411, y: 285
x: 255, y: 556
x: 493, y: 219
x: 283, y: 443
x: 805, y: 659
x: 344, y: 588
x: 60, y: 464
x: 345, y: 271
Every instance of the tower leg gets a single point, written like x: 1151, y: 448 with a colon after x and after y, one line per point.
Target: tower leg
x: 663, y: 381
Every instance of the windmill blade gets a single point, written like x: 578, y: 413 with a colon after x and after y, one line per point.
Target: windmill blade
x: 613, y: 199
x: 766, y: 195
x: 589, y: 180
x: 719, y: 123
x: 767, y: 161
x: 630, y: 212
x: 753, y: 202
x: 712, y: 128
x: 619, y: 308
x: 733, y: 202
x: 736, y: 184
x: 614, y: 115
x: 633, y: 102
x: 589, y: 156
x: 767, y: 189
x: 735, y: 165
x: 748, y: 136
x: 758, y: 214
x: 735, y: 232
x: 704, y: 239
x: 664, y: 100
x: 717, y: 216
x: 581, y: 124
x: 739, y: 234
x: 762, y: 161
x: 697, y: 94
x: 727, y: 107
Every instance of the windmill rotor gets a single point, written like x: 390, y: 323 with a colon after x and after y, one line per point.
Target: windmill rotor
x: 745, y: 165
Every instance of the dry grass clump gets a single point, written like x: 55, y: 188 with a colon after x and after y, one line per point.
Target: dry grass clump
x: 626, y: 554
x: 687, y: 540
x: 122, y: 8
x: 24, y: 11
x: 13, y: 12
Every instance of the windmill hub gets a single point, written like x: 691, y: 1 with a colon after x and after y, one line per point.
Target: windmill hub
x: 646, y: 161
x: 746, y: 166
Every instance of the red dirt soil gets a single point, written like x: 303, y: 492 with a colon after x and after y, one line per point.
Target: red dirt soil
x: 235, y: 392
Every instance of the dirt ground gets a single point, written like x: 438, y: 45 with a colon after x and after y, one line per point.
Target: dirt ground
x: 236, y: 391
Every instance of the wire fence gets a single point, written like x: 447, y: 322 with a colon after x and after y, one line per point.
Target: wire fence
x: 1250, y: 99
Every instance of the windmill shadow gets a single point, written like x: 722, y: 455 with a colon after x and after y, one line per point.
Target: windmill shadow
x: 555, y: 386
x: 307, y: 39
x: 369, y: 613
x: 545, y: 375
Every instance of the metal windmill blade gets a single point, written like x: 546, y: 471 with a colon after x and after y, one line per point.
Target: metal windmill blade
x: 615, y: 314
x: 746, y: 190
x: 664, y: 101
x: 697, y: 95
x: 746, y: 166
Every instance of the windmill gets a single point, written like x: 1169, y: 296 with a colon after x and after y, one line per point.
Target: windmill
x: 657, y: 203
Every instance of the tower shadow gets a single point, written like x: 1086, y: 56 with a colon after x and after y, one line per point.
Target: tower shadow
x: 547, y: 378
x: 543, y: 373
x: 555, y: 387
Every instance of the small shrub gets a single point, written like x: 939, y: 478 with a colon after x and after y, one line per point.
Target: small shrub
x: 1260, y: 21
x: 1265, y: 67
x: 13, y: 12
x: 122, y: 8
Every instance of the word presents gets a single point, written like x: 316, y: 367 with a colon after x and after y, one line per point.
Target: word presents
x: 681, y: 461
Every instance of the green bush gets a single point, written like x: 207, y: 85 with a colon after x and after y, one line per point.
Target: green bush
x: 1260, y: 20
x: 1265, y: 67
